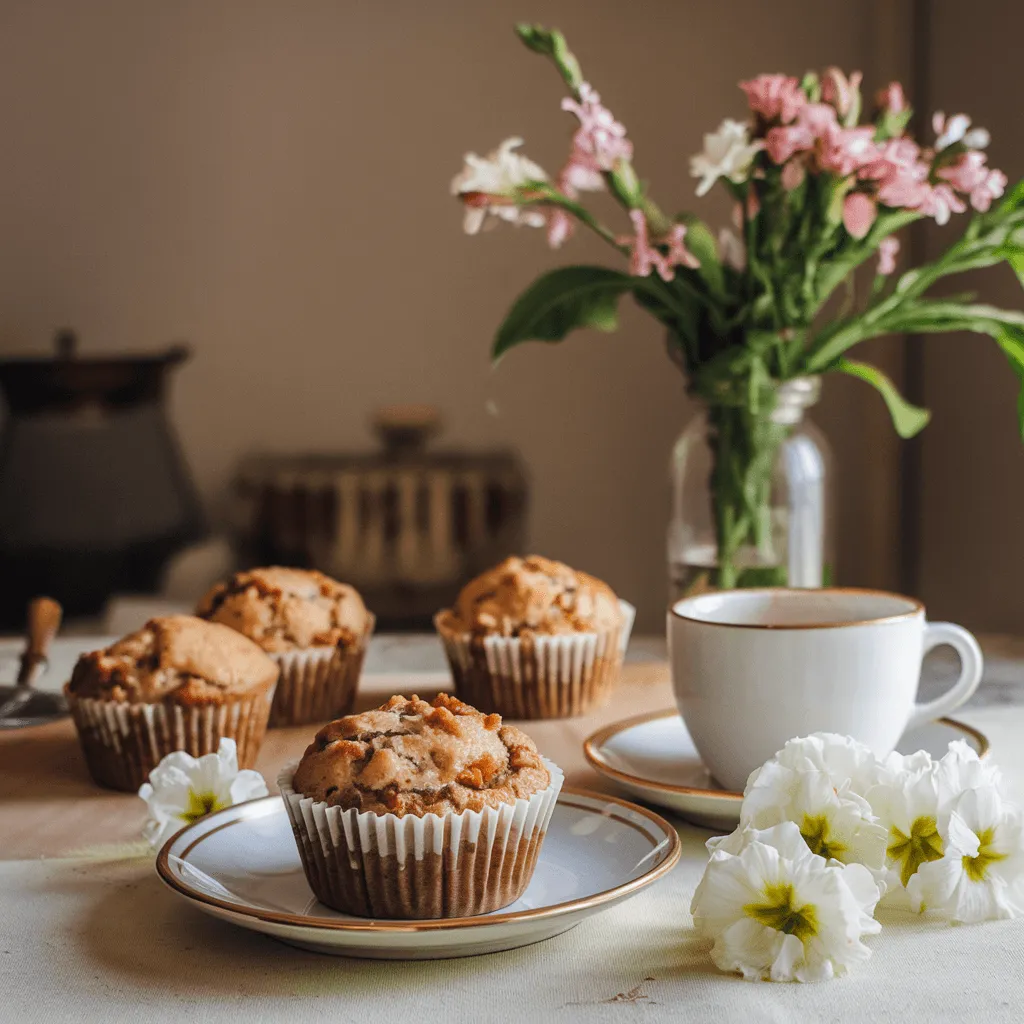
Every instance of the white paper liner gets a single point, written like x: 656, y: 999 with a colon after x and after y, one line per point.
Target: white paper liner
x: 123, y: 742
x: 318, y: 684
x: 389, y: 866
x: 542, y: 677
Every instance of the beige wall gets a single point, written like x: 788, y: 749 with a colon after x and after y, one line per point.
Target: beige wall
x: 269, y: 181
x: 972, y: 521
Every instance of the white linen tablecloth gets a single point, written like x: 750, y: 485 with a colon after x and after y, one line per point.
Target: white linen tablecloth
x: 104, y: 940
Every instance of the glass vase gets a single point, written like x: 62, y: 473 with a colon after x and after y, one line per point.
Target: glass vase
x: 750, y: 502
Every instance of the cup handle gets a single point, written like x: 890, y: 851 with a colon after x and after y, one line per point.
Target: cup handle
x: 938, y: 634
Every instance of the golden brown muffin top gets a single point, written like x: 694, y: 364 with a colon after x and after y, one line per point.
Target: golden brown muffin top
x: 179, y: 660
x: 411, y: 757
x: 533, y: 595
x: 288, y: 609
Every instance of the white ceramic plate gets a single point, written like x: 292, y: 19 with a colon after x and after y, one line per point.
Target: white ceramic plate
x: 241, y: 864
x: 652, y: 757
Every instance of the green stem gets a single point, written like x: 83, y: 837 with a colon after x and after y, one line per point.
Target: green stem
x: 744, y: 444
x: 552, y: 197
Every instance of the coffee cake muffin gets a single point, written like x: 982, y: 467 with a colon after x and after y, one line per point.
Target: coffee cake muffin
x: 534, y: 638
x: 179, y: 683
x: 420, y: 810
x: 314, y: 627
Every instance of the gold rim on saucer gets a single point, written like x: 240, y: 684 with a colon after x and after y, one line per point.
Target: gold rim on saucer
x: 593, y: 743
x: 266, y: 805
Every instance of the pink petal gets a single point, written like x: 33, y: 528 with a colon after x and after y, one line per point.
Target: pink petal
x: 859, y: 212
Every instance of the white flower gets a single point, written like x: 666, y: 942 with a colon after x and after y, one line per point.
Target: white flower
x: 961, y: 768
x: 775, y: 910
x: 182, y: 789
x: 731, y: 250
x: 958, y: 129
x: 906, y: 803
x: 850, y: 766
x: 488, y: 186
x: 914, y: 797
x: 728, y: 153
x: 835, y: 825
x: 980, y: 877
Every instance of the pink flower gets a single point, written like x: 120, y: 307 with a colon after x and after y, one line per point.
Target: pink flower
x: 560, y: 227
x: 842, y: 92
x: 644, y: 257
x: 579, y: 177
x: 600, y: 141
x: 774, y: 97
x: 901, y: 174
x: 845, y: 150
x: 940, y: 202
x: 783, y: 142
x: 891, y: 98
x: 793, y: 175
x: 859, y: 213
x: 678, y: 254
x: 903, y: 190
x: 970, y: 175
x: 993, y: 187
x: 813, y: 121
x: 967, y: 172
x: 888, y: 249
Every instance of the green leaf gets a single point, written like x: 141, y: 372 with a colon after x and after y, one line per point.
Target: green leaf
x: 1014, y: 255
x: 560, y: 302
x: 908, y: 419
x: 1014, y: 198
x: 932, y: 316
x: 1011, y: 341
x: 701, y: 243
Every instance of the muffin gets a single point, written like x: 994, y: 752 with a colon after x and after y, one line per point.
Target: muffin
x: 417, y: 810
x: 315, y: 628
x: 533, y: 638
x: 179, y: 683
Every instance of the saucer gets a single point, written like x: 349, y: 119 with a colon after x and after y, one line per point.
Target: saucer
x: 241, y: 864
x: 652, y: 757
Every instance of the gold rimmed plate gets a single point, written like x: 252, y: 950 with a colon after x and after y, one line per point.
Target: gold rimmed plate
x: 241, y: 864
x: 653, y: 757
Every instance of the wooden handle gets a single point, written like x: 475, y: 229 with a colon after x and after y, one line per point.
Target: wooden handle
x: 44, y: 615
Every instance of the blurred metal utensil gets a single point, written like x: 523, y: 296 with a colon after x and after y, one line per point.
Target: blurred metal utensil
x: 24, y: 704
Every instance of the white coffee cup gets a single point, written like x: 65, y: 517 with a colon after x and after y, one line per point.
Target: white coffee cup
x: 753, y: 669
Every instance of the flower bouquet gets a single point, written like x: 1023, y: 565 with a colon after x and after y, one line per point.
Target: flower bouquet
x: 818, y: 192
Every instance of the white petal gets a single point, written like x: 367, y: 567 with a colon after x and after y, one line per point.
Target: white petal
x: 933, y: 885
x: 961, y: 840
x: 750, y: 948
x: 788, y: 964
x: 977, y: 138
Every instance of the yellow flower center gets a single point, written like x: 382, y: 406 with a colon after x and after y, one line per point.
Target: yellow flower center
x: 976, y: 867
x: 923, y: 844
x: 816, y: 830
x: 779, y: 912
x: 199, y: 805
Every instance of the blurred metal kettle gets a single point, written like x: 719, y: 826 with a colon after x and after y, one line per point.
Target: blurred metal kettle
x: 94, y: 492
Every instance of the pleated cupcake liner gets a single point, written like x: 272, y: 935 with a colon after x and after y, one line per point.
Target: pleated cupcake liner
x: 318, y: 684
x: 123, y: 743
x: 407, y: 867
x: 537, y: 676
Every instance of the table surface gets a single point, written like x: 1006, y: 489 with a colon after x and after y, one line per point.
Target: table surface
x: 87, y: 931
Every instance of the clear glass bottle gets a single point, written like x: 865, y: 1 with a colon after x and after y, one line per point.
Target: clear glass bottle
x: 796, y: 548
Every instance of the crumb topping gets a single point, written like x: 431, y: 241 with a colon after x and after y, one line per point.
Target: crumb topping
x: 288, y: 609
x: 533, y: 595
x: 178, y: 659
x: 413, y: 757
